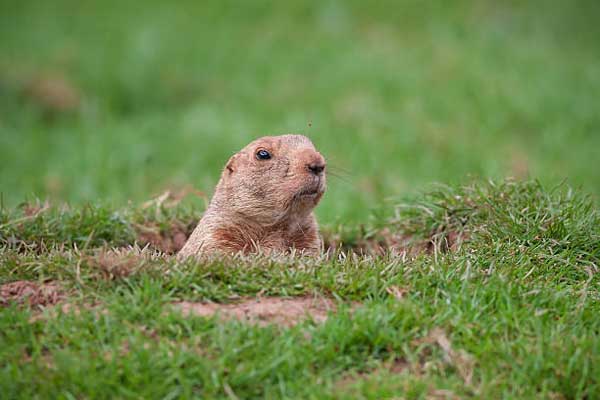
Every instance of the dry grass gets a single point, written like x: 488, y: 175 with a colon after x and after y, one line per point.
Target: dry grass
x: 31, y: 293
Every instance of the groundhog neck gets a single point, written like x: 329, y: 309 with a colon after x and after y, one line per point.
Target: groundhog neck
x: 223, y: 215
x: 229, y: 207
x: 235, y: 231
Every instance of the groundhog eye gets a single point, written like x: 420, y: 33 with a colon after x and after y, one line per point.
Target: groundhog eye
x: 263, y: 155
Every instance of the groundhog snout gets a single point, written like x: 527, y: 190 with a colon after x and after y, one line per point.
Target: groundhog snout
x: 315, y: 164
x: 316, y: 168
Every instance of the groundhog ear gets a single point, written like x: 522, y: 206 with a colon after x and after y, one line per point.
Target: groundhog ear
x: 232, y: 164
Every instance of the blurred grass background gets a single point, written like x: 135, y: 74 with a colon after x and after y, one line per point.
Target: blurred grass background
x: 120, y: 100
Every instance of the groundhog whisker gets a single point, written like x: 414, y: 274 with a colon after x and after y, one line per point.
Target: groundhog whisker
x: 338, y: 169
x: 339, y: 174
x: 334, y: 164
x: 341, y: 178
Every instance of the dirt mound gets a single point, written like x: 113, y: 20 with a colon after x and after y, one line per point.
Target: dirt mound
x: 31, y: 293
x: 264, y: 311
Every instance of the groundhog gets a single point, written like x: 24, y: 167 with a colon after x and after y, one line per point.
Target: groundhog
x: 264, y: 201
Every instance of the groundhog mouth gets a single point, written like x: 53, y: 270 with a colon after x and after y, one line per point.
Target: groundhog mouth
x: 311, y: 191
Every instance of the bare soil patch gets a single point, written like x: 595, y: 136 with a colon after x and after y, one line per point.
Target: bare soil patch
x: 54, y: 93
x: 396, y: 242
x: 116, y: 263
x: 169, y: 241
x: 266, y: 310
x: 31, y: 293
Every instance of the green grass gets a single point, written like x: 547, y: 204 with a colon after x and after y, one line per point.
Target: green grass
x: 518, y: 302
x: 104, y: 105
x: 397, y: 94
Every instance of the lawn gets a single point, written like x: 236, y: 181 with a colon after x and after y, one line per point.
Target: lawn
x: 444, y: 278
x: 117, y: 101
x: 511, y: 310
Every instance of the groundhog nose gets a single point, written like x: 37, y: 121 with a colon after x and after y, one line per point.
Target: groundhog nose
x: 316, y: 168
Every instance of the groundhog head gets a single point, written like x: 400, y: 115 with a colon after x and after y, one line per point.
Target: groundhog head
x: 273, y: 178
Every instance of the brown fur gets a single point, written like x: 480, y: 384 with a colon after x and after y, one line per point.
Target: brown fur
x: 264, y: 205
